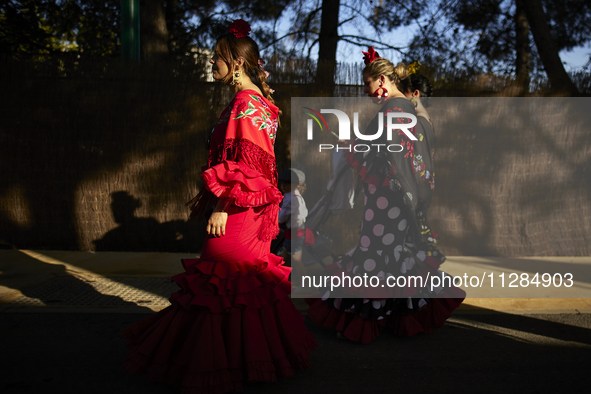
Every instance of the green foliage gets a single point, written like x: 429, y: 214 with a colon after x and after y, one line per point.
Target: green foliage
x: 479, y: 35
x: 43, y: 28
x: 23, y: 29
x: 470, y: 37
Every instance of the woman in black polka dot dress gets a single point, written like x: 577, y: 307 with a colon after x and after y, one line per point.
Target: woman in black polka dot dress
x: 391, y: 246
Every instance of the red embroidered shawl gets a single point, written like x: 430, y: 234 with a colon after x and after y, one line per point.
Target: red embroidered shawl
x: 241, y: 164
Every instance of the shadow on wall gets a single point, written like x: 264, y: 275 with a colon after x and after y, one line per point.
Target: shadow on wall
x: 139, y: 234
x: 67, y: 143
x: 80, y: 149
x: 511, y: 176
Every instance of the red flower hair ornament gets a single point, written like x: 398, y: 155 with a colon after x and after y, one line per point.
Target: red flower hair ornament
x: 239, y: 28
x: 370, y: 55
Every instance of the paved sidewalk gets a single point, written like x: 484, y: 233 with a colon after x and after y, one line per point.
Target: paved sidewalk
x: 61, y: 314
x: 90, y: 280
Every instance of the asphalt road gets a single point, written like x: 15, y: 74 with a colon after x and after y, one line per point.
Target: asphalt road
x: 475, y: 352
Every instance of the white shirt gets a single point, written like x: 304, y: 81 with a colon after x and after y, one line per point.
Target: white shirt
x: 293, y: 210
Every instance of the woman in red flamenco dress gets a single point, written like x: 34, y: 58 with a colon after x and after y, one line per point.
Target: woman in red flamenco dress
x: 231, y: 321
x: 392, y: 243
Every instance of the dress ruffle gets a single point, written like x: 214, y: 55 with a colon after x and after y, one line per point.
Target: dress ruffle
x: 360, y: 329
x: 360, y: 313
x: 221, y: 286
x: 228, y: 324
x: 247, y: 187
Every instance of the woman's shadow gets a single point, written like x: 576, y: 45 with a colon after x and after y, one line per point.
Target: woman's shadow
x: 144, y: 234
x: 132, y: 233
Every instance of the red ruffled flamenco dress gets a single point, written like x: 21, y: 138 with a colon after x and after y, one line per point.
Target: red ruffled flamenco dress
x: 231, y: 321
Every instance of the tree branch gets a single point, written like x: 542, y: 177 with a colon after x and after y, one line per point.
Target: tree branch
x: 287, y: 35
x: 346, y: 38
x: 312, y: 46
x: 346, y: 20
x: 357, y: 11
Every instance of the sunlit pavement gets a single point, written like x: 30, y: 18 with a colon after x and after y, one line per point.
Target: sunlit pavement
x: 136, y: 280
x: 61, y: 314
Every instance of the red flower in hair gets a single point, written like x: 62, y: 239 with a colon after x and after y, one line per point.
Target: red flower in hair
x: 370, y: 55
x: 239, y: 28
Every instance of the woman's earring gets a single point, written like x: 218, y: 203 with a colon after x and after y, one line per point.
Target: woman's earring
x: 381, y: 92
x: 236, y: 78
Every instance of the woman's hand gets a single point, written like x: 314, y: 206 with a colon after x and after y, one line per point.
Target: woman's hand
x: 216, y: 225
